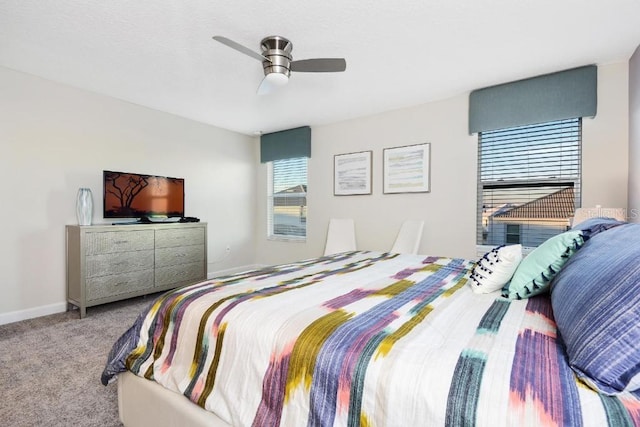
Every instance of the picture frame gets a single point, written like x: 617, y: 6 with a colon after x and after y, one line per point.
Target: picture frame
x: 407, y: 169
x: 352, y: 173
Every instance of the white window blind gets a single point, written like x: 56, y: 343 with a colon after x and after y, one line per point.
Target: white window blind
x: 287, y: 198
x: 529, y: 182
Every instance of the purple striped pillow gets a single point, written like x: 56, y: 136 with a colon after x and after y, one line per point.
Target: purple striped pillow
x: 596, y: 304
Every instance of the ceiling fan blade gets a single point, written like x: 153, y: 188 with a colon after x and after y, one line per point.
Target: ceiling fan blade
x: 240, y: 48
x: 319, y: 65
x: 271, y: 82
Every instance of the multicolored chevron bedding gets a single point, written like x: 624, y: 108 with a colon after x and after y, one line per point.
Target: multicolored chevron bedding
x: 363, y: 339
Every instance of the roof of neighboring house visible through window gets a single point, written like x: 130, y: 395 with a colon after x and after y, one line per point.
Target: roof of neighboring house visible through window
x: 560, y: 205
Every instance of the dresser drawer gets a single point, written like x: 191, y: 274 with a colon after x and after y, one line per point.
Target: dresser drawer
x: 116, y: 284
x: 118, y: 241
x: 174, y: 237
x: 166, y: 257
x: 180, y: 274
x: 108, y: 263
x: 118, y: 262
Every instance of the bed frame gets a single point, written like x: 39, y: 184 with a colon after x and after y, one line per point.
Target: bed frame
x: 144, y: 403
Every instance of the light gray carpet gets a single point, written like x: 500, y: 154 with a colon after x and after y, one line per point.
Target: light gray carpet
x: 50, y: 367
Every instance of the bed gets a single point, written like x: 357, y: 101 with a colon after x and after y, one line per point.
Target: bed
x: 363, y: 338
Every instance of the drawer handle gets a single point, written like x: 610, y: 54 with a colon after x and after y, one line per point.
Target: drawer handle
x: 120, y: 242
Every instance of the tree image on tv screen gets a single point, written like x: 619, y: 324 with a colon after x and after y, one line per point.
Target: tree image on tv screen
x: 125, y: 188
x: 132, y: 195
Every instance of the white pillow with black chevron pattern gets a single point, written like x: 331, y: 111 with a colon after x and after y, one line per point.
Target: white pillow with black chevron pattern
x: 495, y: 268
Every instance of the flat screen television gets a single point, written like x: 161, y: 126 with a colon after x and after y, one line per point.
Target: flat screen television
x: 132, y: 195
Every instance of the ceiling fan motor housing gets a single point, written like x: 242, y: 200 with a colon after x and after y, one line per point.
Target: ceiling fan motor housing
x: 278, y: 50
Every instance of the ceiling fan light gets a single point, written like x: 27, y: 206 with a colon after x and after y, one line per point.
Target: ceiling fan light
x: 277, y: 79
x: 271, y: 82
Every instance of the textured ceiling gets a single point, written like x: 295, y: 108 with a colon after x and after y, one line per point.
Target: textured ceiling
x: 160, y: 54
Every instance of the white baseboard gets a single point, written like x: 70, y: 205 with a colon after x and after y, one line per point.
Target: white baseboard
x: 30, y: 313
x: 234, y: 270
x: 61, y: 307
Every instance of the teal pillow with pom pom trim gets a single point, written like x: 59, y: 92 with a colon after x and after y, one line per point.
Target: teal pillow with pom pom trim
x: 533, y: 275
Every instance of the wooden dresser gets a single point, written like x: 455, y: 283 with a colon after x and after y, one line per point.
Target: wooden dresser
x: 107, y: 263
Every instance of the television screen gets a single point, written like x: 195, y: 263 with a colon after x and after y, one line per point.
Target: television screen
x: 131, y: 195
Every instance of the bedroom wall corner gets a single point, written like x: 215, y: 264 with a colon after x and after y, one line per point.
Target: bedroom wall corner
x: 57, y: 138
x: 634, y: 137
x: 605, y: 141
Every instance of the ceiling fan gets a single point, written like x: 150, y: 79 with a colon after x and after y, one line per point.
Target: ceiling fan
x: 278, y: 63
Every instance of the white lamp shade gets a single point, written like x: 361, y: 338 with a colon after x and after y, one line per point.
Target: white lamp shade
x: 271, y: 82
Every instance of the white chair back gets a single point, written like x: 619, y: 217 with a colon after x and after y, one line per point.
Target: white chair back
x: 341, y: 236
x: 409, y: 237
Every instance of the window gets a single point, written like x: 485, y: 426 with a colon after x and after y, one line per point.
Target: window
x: 513, y: 234
x: 287, y: 198
x: 529, y: 182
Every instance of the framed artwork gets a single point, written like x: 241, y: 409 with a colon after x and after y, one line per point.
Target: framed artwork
x: 352, y: 173
x: 406, y: 169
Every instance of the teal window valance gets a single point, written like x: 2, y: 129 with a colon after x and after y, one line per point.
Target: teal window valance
x: 557, y: 96
x: 285, y: 144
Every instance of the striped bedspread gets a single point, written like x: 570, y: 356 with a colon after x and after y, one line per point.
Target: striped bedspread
x: 364, y: 339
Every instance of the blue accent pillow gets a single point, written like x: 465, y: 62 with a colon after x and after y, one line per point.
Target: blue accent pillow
x: 593, y: 226
x: 596, y: 304
x: 533, y: 275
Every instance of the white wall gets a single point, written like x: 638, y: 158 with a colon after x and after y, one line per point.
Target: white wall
x: 634, y: 137
x: 56, y: 139
x: 605, y: 141
x: 449, y: 210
